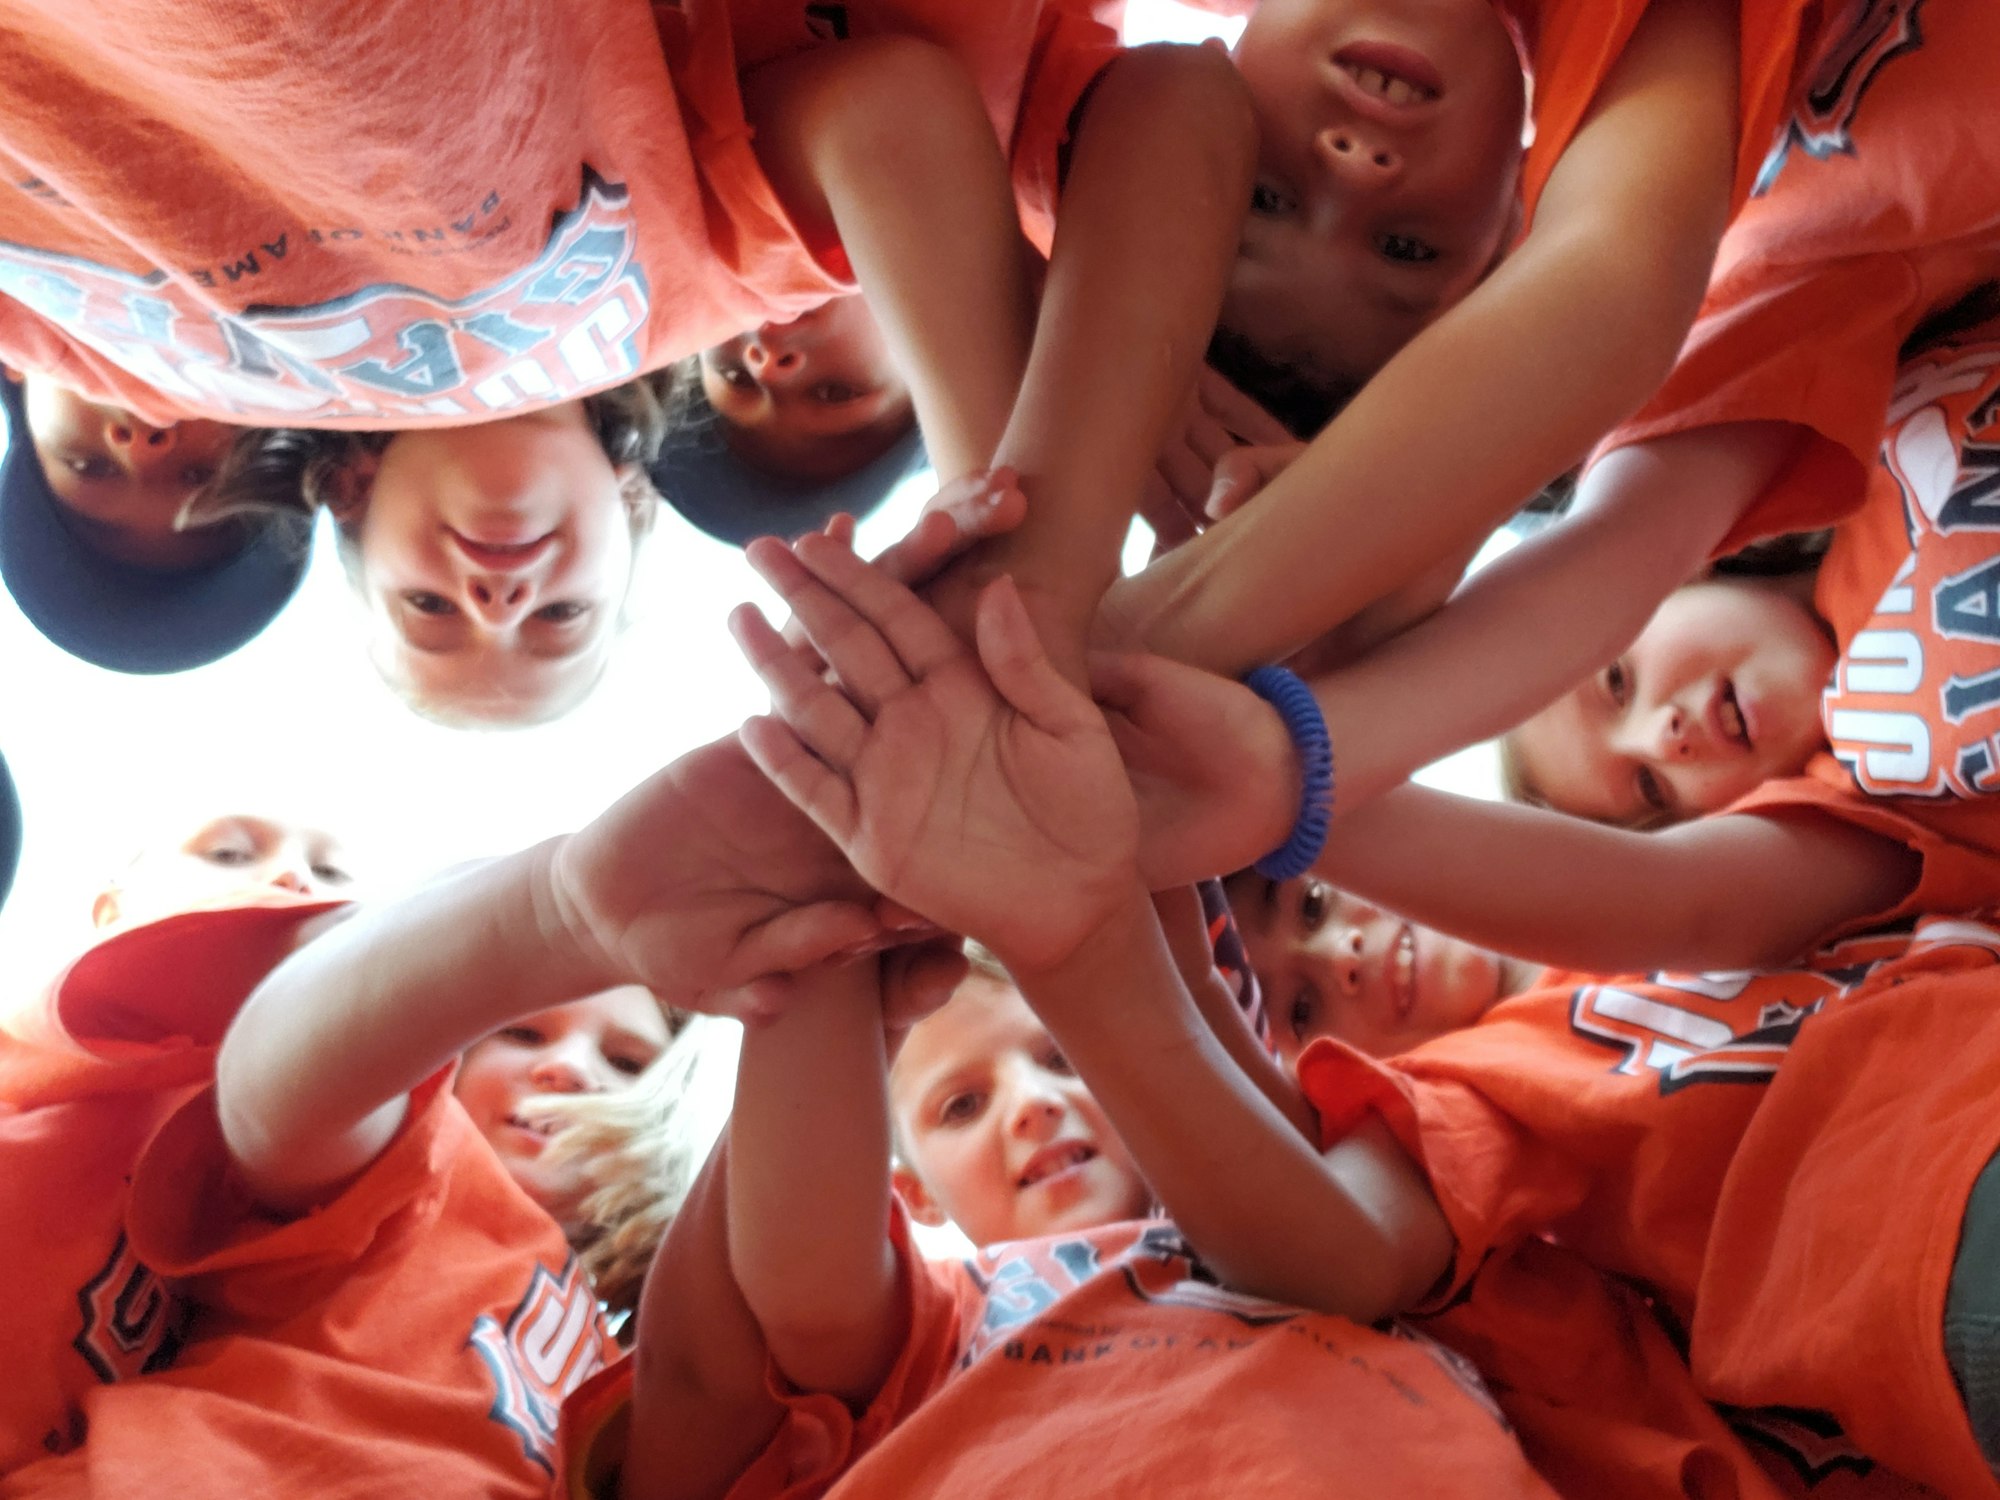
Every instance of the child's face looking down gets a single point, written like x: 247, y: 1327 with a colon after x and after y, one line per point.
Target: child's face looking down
x: 1719, y: 693
x: 813, y: 399
x: 495, y: 559
x: 997, y: 1134
x: 589, y: 1046
x: 1330, y: 964
x: 1389, y: 144
x: 123, y: 481
x: 227, y: 856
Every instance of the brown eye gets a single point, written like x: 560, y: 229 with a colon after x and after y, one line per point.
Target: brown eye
x: 425, y: 603
x: 1312, y: 905
x: 1618, y: 683
x: 1406, y: 249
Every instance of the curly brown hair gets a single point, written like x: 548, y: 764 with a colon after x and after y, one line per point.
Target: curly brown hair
x: 293, y: 470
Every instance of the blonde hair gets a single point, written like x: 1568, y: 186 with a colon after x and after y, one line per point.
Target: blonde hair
x: 641, y: 1149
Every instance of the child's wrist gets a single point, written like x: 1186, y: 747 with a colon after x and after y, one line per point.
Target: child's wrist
x: 1305, y: 725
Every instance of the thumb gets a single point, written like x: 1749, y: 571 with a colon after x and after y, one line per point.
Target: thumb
x: 1020, y: 669
x: 803, y: 936
x: 1237, y: 478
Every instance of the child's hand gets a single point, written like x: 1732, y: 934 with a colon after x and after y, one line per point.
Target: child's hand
x: 1218, y: 421
x: 704, y: 879
x: 1214, y: 771
x: 996, y: 808
x: 963, y: 514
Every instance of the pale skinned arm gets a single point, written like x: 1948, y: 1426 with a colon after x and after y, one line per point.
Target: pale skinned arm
x: 698, y: 882
x: 1353, y: 1231
x: 1727, y: 893
x: 1540, y: 619
x: 809, y: 1187
x: 1568, y: 336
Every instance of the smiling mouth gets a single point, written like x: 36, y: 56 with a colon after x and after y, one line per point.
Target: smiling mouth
x: 502, y: 557
x: 1729, y: 714
x: 1403, y: 970
x: 1387, y: 85
x: 1052, y: 1161
x: 542, y: 1128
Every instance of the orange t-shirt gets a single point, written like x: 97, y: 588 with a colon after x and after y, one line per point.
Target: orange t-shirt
x: 119, y: 1041
x: 1911, y: 587
x: 1877, y: 205
x: 1111, y: 1363
x: 406, y: 213
x: 416, y: 1335
x: 1625, y: 1118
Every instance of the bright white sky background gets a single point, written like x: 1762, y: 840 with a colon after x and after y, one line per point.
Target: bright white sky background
x: 297, y: 725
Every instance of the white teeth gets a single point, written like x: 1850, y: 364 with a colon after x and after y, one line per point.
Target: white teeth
x: 1732, y: 718
x: 1406, y: 960
x: 1056, y: 1162
x: 1395, y: 90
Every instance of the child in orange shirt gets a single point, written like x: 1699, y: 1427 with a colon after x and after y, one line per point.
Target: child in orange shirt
x: 452, y: 305
x: 1771, y: 420
x: 773, y: 1361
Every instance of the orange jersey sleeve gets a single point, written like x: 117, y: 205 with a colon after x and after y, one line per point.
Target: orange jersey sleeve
x: 415, y: 1335
x: 1874, y: 206
x: 1570, y: 46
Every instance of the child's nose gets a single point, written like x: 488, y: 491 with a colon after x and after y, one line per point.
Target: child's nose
x: 499, y: 599
x: 126, y: 433
x: 557, y: 1071
x: 1357, y: 158
x: 772, y: 359
x: 1036, y: 1114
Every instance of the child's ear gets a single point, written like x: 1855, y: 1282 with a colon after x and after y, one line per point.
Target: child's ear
x: 346, y: 490
x: 916, y: 1197
x: 104, y: 910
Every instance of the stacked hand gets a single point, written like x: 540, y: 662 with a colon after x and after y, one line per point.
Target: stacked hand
x: 981, y: 791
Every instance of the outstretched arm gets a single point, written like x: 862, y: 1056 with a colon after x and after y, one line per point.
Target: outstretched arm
x: 1152, y: 208
x: 700, y: 880
x: 1568, y: 336
x: 1727, y: 893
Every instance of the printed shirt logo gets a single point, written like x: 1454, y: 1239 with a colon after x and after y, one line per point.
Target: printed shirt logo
x: 1155, y: 1264
x: 550, y: 1344
x: 1685, y: 1029
x: 1875, y: 31
x: 568, y: 322
x: 132, y: 1322
x: 1914, y: 706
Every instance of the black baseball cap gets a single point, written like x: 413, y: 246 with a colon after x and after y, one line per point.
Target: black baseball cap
x: 119, y: 616
x: 717, y: 491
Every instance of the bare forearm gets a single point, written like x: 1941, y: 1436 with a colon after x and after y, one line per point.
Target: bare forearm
x: 1567, y: 337
x: 1353, y: 1233
x: 700, y: 1409
x: 1152, y: 207
x: 1727, y: 893
x: 1537, y: 621
x: 809, y: 1187
x: 311, y: 1077
x: 926, y: 217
